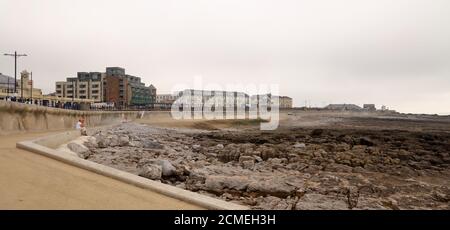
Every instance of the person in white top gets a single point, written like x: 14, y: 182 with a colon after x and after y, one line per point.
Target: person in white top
x: 78, y: 125
x: 81, y: 126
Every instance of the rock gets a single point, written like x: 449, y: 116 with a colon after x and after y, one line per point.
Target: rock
x: 167, y: 168
x: 80, y: 150
x: 317, y: 132
x: 91, y: 143
x: 391, y: 203
x: 114, y: 140
x: 300, y: 145
x: 247, y: 149
x: 152, y: 145
x: 124, y: 141
x: 320, y: 202
x: 211, y: 155
x: 338, y: 168
x: 258, y: 159
x: 366, y: 141
x: 248, y: 164
x: 272, y: 187
x: 219, y: 183
x: 245, y: 158
x: 275, y: 161
x: 441, y: 197
x: 102, y: 141
x: 220, y: 146
x: 342, y: 147
x: 404, y: 155
x: 359, y: 169
x: 196, y: 147
x: 319, y: 153
x: 274, y: 203
x: 151, y: 171
x: 365, y: 203
x: 136, y: 144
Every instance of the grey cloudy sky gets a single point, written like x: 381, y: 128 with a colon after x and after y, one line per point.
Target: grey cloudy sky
x: 391, y: 52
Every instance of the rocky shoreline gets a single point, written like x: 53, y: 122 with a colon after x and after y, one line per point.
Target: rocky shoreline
x: 289, y: 169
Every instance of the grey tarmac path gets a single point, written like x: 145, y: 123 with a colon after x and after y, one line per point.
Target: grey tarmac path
x: 32, y: 181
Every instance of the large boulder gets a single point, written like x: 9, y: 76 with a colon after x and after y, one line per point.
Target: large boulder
x: 151, y: 171
x: 271, y: 187
x: 80, y: 150
x: 102, y: 141
x: 124, y: 141
x: 149, y: 144
x: 219, y: 183
x: 114, y: 140
x: 167, y: 168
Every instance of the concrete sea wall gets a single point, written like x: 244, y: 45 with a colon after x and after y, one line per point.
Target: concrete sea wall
x: 17, y: 117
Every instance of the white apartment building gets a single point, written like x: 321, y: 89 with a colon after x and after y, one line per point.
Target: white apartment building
x: 84, y: 86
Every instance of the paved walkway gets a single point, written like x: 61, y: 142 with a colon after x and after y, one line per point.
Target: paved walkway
x: 32, y: 181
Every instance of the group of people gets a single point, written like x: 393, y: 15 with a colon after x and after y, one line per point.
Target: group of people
x: 47, y: 103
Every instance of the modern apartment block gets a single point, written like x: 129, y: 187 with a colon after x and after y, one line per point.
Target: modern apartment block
x: 84, y: 86
x: 113, y: 86
x: 127, y: 90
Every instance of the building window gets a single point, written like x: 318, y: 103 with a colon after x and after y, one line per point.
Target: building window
x: 83, y: 97
x: 82, y: 91
x: 70, y: 86
x: 58, y: 86
x: 94, y: 86
x: 58, y: 91
x: 94, y: 91
x: 82, y: 86
x: 70, y: 91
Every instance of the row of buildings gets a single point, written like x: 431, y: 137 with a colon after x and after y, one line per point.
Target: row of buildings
x: 113, y: 87
x: 227, y: 99
x: 24, y: 86
x: 351, y: 107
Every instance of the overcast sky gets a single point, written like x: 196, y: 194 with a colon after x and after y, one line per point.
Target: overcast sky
x: 387, y: 52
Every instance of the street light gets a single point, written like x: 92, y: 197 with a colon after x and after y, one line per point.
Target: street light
x: 31, y: 91
x: 15, y: 55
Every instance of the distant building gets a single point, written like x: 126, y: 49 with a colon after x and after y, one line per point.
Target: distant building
x: 127, y: 90
x: 165, y: 101
x: 87, y: 85
x: 166, y: 98
x: 350, y: 107
x: 285, y: 102
x: 113, y: 87
x: 6, y: 81
x: 25, y: 86
x: 225, y: 99
x: 369, y: 107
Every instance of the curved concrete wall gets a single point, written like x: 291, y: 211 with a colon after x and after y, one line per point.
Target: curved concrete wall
x: 17, y: 117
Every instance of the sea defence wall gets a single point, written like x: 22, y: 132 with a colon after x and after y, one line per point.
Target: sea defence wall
x: 17, y: 117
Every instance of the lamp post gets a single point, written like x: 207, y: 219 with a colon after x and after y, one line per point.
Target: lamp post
x: 31, y: 90
x: 15, y: 55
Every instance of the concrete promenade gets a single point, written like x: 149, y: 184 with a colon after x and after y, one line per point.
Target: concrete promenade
x: 31, y: 181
